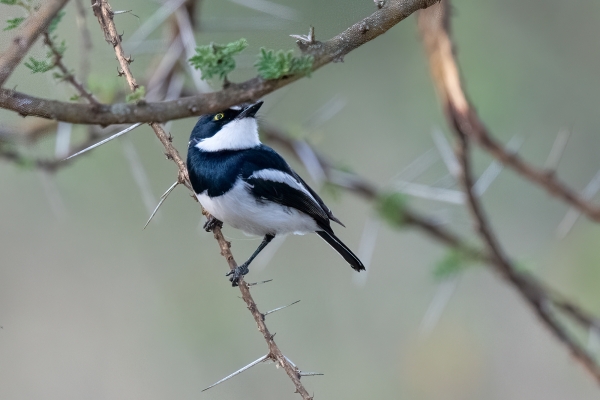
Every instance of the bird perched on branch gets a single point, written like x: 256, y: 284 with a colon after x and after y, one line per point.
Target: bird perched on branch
x: 249, y: 186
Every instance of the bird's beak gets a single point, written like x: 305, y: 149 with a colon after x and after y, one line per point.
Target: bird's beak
x: 250, y: 111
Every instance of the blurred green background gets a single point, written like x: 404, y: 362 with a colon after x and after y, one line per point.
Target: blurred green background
x: 92, y: 306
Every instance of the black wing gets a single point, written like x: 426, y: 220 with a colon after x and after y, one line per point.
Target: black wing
x: 265, y: 158
x: 319, y: 200
x: 286, y: 195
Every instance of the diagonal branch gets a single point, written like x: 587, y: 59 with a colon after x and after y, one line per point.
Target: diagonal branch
x: 528, y: 284
x: 332, y: 50
x: 103, y: 11
x: 66, y: 74
x: 274, y: 352
x: 26, y: 36
x: 434, y: 25
x: 533, y: 293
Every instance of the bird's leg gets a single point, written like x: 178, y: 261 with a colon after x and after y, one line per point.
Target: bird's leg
x: 211, y: 223
x: 241, y: 270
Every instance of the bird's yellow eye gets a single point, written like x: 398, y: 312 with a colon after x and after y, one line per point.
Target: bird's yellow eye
x: 218, y: 116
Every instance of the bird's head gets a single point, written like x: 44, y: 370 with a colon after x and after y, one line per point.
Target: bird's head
x: 231, y: 129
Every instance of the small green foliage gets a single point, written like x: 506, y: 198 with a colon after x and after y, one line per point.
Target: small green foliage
x: 60, y: 48
x: 453, y: 262
x: 138, y: 95
x: 75, y: 97
x: 217, y: 59
x: 273, y: 64
x: 40, y: 66
x: 59, y: 77
x: 391, y: 207
x: 54, y: 23
x: 9, y: 2
x: 13, y: 23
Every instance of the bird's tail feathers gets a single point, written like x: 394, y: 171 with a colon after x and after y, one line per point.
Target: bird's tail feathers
x: 342, y: 249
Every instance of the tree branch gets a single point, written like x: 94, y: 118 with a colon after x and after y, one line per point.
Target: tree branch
x: 274, y: 352
x: 529, y: 286
x: 103, y: 11
x: 434, y: 25
x: 66, y: 74
x: 26, y: 36
x: 324, y: 53
x: 535, y: 295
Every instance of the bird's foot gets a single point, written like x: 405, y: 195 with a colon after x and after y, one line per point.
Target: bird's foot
x: 237, y: 273
x: 211, y: 223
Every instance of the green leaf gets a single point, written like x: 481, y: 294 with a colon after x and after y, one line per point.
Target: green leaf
x: 453, y: 262
x: 9, y: 2
x: 13, y: 23
x: 54, y: 23
x: 138, y: 95
x: 391, y: 208
x: 40, y: 66
x: 217, y: 59
x: 273, y: 64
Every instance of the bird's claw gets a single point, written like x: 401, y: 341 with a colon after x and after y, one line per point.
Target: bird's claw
x: 237, y: 273
x: 211, y: 223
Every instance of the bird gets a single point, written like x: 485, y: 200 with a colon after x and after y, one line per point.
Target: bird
x: 249, y: 186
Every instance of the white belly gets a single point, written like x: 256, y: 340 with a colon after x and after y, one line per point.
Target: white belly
x: 242, y: 211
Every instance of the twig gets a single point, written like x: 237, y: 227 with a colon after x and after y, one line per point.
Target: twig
x: 26, y: 35
x: 103, y: 11
x: 365, y: 189
x: 324, y: 53
x: 274, y: 351
x: 66, y: 74
x: 434, y: 26
x: 535, y: 296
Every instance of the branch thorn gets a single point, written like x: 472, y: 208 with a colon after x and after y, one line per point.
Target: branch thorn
x: 280, y: 308
x: 305, y: 41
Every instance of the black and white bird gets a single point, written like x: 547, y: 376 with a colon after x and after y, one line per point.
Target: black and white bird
x: 249, y: 186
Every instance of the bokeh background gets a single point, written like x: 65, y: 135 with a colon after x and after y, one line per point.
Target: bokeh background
x: 92, y: 306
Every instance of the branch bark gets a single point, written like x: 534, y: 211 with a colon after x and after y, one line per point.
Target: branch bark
x: 324, y: 53
x: 104, y: 14
x: 434, y: 25
x: 26, y: 36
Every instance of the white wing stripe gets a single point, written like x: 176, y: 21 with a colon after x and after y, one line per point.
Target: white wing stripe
x: 275, y: 175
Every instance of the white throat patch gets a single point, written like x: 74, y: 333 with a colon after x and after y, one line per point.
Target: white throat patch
x: 239, y: 134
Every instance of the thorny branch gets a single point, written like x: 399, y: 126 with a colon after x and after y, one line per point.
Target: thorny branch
x: 274, y: 352
x: 534, y: 294
x: 66, y: 74
x: 105, y: 17
x: 26, y: 36
x: 367, y: 190
x: 332, y: 50
x: 434, y: 24
x: 435, y: 30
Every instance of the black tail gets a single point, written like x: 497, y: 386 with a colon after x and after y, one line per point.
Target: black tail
x: 342, y: 249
